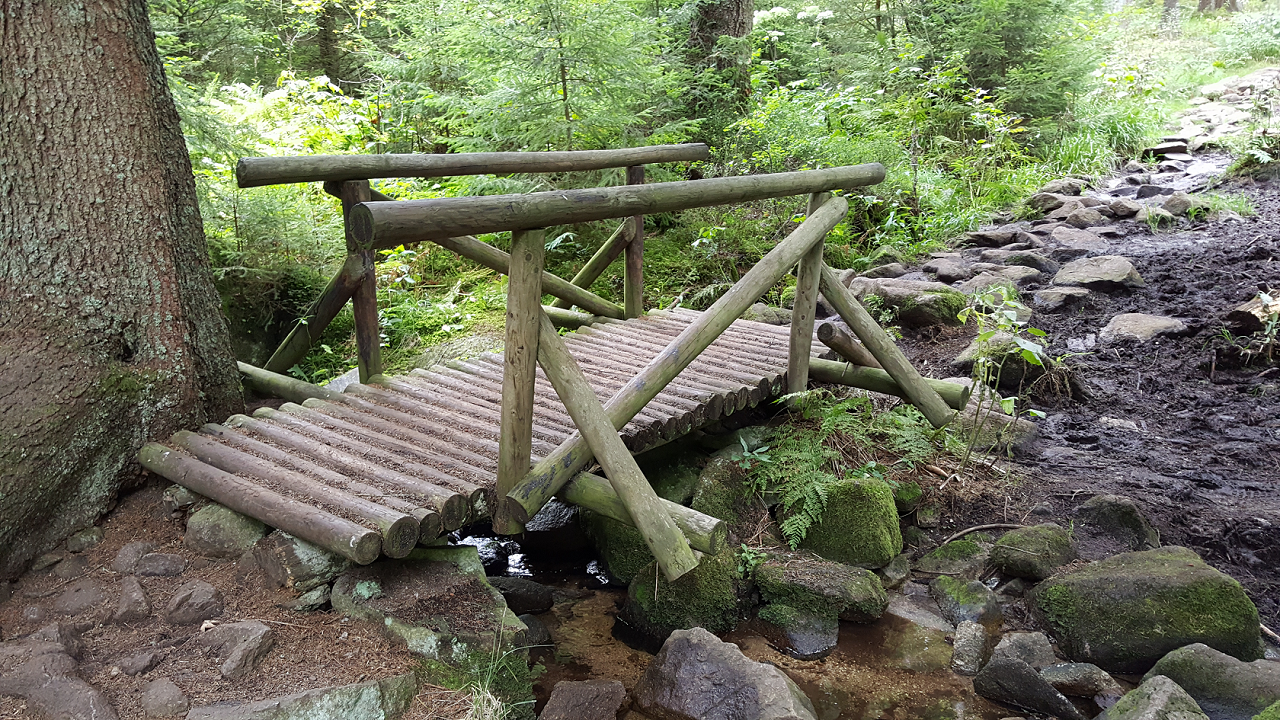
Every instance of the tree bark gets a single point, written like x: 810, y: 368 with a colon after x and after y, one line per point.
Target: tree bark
x: 111, y: 332
x: 716, y: 18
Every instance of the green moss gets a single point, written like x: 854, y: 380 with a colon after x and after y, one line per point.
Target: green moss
x: 957, y: 550
x: 1033, y: 552
x: 706, y: 596
x: 1271, y: 713
x: 859, y: 526
x: 506, y: 675
x: 948, y: 304
x: 621, y: 548
x: 906, y: 496
x: 780, y: 614
x: 821, y: 588
x: 962, y: 592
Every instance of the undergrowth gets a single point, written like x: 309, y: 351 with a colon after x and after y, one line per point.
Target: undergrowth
x: 500, y: 684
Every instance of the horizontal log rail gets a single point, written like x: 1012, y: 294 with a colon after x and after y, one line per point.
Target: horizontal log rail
x: 255, y: 172
x: 385, y: 225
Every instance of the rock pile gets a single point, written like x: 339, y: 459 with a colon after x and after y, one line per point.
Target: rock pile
x: 1224, y: 108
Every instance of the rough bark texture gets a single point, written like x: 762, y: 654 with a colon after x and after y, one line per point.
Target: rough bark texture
x: 719, y: 17
x: 111, y: 332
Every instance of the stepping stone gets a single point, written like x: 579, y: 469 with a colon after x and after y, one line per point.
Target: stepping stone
x: 1057, y: 298
x: 1074, y: 243
x: 240, y: 646
x: 585, y: 700
x: 162, y: 699
x: 79, y: 597
x: 1104, y: 272
x: 193, y: 603
x: 127, y: 559
x: 1139, y: 328
x: 134, y: 605
x: 160, y: 565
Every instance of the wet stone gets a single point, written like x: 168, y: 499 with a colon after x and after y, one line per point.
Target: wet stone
x: 79, y: 597
x: 960, y: 601
x: 585, y: 700
x: 1013, y: 682
x: 1032, y: 648
x: 1058, y: 298
x: 523, y: 595
x: 538, y: 636
x: 127, y: 559
x: 194, y: 602
x: 133, y: 605
x: 1138, y: 328
x: 805, y: 635
x: 970, y: 649
x: 160, y: 565
x: 162, y: 699
x: 1084, y: 680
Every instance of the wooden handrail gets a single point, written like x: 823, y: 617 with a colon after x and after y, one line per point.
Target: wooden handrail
x: 384, y: 225
x: 254, y: 172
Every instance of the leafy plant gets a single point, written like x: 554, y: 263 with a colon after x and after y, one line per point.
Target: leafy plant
x: 751, y: 457
x: 749, y: 559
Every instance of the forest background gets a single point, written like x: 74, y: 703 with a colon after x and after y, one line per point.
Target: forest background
x: 970, y: 105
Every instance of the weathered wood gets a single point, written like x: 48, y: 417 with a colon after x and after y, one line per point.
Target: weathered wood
x: 705, y: 533
x: 334, y: 188
x: 804, y: 309
x: 364, y: 299
x: 874, y: 338
x: 253, y: 172
x: 633, y: 270
x: 399, y: 531
x: 603, y: 257
x: 519, y: 368
x: 550, y: 474
x: 274, y: 384
x: 845, y: 346
x: 380, y: 226
x: 335, y: 534
x: 568, y: 318
x: 665, y: 541
x: 311, y: 326
x: 498, y: 261
x: 956, y: 396
x: 1252, y: 316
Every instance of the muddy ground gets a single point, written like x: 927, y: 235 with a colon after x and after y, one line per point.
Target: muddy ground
x: 1204, y: 461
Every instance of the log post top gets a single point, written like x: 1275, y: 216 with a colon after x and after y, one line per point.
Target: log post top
x: 254, y: 172
x: 382, y: 225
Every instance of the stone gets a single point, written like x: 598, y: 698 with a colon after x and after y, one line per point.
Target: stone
x: 1139, y: 328
x: 33, y: 614
x: 1118, y: 517
x: 1149, y: 191
x: 948, y: 271
x: 907, y: 496
x: 127, y: 559
x: 161, y: 698
x: 1028, y: 258
x: 765, y: 314
x: 1083, y: 680
x: 961, y: 558
x: 1033, y: 552
x: 405, y: 601
x: 72, y: 567
x: 523, y: 595
x: 160, y: 565
x: 620, y: 547
x: 1003, y: 350
x: 386, y: 699
x: 1085, y: 217
x: 1156, y: 699
x: 1225, y: 688
x: 1016, y: 587
x: 917, y: 303
x: 1126, y: 612
x: 67, y: 636
x: 828, y: 588
x: 193, y: 602
x: 1045, y: 202
x: 585, y: 700
x: 971, y: 648
x: 1065, y: 186
x: 891, y: 270
x: 696, y: 676
x: 719, y: 494
x: 177, y: 498
x: 897, y: 572
x: 1133, y: 166
x: 1011, y: 681
x: 802, y: 633
x: 217, y: 531
x: 1156, y: 216
x: 45, y: 561
x: 134, y: 606
x: 997, y: 275
x: 312, y: 600
x: 1164, y: 148
x: 1124, y: 207
x: 859, y: 526
x: 294, y: 563
x: 994, y: 237
x: 140, y: 663
x: 43, y: 674
x: 84, y: 539
x: 707, y: 596
x: 1104, y: 272
x: 1073, y: 243
x: 1054, y: 299
x: 960, y: 601
x: 538, y: 635
x: 1032, y: 648
x: 239, y: 646
x: 79, y: 597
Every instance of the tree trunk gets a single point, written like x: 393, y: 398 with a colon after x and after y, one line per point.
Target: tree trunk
x: 327, y: 43
x: 111, y: 333
x: 717, y: 18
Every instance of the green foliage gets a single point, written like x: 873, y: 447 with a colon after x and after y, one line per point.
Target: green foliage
x: 749, y: 559
x: 1252, y: 36
x: 500, y: 683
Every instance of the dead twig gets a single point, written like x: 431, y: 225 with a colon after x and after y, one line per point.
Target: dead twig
x: 1271, y: 635
x: 976, y: 528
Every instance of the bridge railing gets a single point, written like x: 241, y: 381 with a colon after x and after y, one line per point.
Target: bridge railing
x: 374, y: 223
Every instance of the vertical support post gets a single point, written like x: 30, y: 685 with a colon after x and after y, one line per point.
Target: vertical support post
x: 804, y: 310
x: 633, y: 274
x: 519, y: 365
x: 364, y: 301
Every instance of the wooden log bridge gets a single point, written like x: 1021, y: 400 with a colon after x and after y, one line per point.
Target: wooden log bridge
x: 394, y: 461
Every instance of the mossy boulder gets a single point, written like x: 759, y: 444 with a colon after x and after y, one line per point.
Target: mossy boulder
x: 961, y: 558
x: 709, y: 596
x: 621, y: 548
x: 1006, y: 354
x: 217, y: 531
x: 1158, y: 698
x: 859, y: 526
x: 972, y: 601
x: 802, y: 634
x: 1225, y: 688
x: 722, y: 493
x: 916, y: 303
x: 1126, y: 612
x: 1119, y: 518
x: 1033, y: 552
x: 907, y: 496
x: 825, y: 588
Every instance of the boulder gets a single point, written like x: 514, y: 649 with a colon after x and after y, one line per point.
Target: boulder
x: 917, y: 303
x: 620, y: 547
x: 161, y: 698
x: 1053, y: 299
x: 971, y: 648
x: 1033, y: 552
x: 84, y: 539
x: 1104, y: 272
x: 134, y: 606
x: 1032, y: 648
x: 1147, y: 191
x: 140, y: 663
x: 44, y: 675
x: 948, y: 271
x: 585, y: 700
x: 891, y: 270
x: 523, y: 595
x: 999, y: 275
x: 1225, y: 688
x: 1025, y: 258
x: 1164, y: 148
x: 239, y: 646
x: 707, y: 596
x: 1010, y: 681
x: 898, y: 571
x: 960, y: 601
x: 1120, y: 518
x: 192, y: 603
x: 1156, y: 216
x: 160, y: 565
x: 1084, y: 680
x: 993, y: 237
x: 73, y: 567
x: 859, y: 526
x: 802, y: 633
x: 217, y: 531
x: 992, y: 430
x: 833, y: 589
x: 1156, y: 699
x: 960, y: 558
x: 538, y: 635
x: 1180, y: 203
x: 1045, y: 202
x: 294, y: 563
x: 176, y: 499
x: 554, y: 530
x: 1126, y: 612
x: 310, y: 601
x: 127, y: 559
x: 696, y: 676
x: 1124, y: 207
x: 1004, y: 352
x: 1138, y: 328
x: 719, y: 494
x: 1073, y: 243
x: 1085, y: 217
x: 906, y: 496
x: 386, y: 699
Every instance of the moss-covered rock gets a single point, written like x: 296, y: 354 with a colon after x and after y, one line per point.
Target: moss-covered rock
x: 802, y: 634
x: 859, y: 526
x: 1119, y: 517
x: 621, y: 548
x: 1271, y: 713
x: 1225, y: 688
x: 1124, y: 613
x: 916, y: 303
x: 971, y: 601
x: 1014, y: 369
x: 722, y: 493
x: 707, y: 596
x: 960, y: 558
x: 906, y: 496
x: 821, y: 587
x: 1033, y: 552
x: 1156, y: 699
